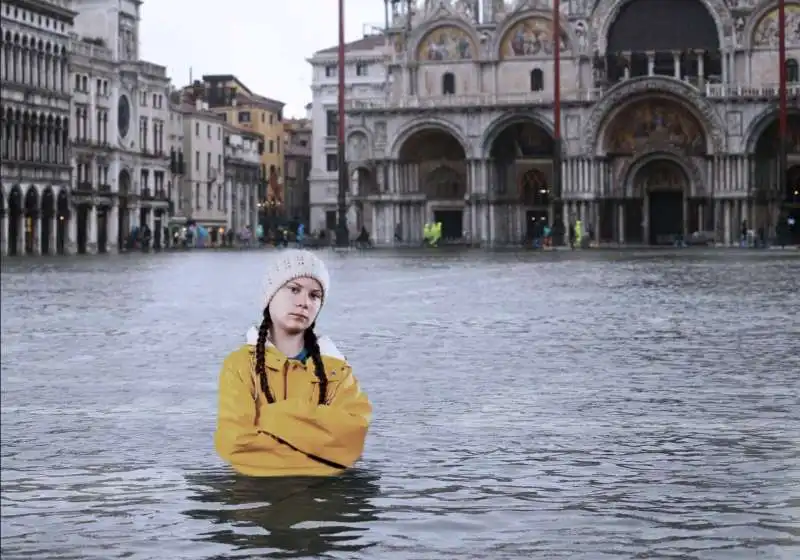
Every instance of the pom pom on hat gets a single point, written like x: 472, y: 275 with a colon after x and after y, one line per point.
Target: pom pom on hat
x: 288, y: 264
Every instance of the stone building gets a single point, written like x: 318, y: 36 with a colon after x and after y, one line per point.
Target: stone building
x: 297, y: 143
x: 366, y: 80
x: 35, y: 175
x: 669, y: 116
x: 204, y: 178
x: 242, y: 161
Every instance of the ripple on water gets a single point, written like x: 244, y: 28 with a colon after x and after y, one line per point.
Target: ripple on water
x: 582, y: 405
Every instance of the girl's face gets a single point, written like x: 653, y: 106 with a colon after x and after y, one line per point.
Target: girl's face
x: 295, y: 306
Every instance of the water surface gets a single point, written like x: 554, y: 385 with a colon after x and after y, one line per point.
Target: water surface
x: 565, y: 405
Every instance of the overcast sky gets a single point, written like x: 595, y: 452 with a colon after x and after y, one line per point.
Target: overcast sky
x: 265, y: 43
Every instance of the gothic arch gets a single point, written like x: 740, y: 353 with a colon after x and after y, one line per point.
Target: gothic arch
x: 428, y: 123
x: 426, y: 30
x: 606, y: 12
x: 505, y: 28
x: 757, y: 16
x: 496, y: 128
x: 609, y: 106
x: 689, y: 167
x: 761, y: 123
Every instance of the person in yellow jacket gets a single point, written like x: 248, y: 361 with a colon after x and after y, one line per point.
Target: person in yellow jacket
x: 289, y: 404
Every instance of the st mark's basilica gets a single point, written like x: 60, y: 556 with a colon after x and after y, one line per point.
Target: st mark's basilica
x: 668, y: 122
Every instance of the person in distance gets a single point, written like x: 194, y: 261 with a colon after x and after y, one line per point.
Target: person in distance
x: 289, y: 404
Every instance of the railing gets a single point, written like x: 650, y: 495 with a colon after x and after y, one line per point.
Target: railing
x: 92, y: 51
x: 151, y: 69
x: 588, y: 95
x: 737, y: 91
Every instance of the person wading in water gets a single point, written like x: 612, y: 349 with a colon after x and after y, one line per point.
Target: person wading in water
x: 289, y: 404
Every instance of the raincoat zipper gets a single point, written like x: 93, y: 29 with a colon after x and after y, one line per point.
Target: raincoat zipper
x: 286, y: 380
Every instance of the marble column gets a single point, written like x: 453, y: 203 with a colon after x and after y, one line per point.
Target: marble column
x: 70, y: 246
x: 3, y: 235
x: 21, y: 234
x: 52, y: 234
x: 112, y: 227
x: 37, y: 235
x: 91, y: 234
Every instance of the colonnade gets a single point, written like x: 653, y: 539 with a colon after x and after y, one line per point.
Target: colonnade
x: 716, y: 200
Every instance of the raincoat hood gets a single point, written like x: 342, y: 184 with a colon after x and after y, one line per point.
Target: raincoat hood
x: 326, y: 345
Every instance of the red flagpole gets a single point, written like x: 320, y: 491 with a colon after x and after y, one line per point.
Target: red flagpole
x: 556, y: 194
x: 342, y: 237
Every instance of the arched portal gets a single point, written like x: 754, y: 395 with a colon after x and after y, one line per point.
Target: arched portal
x: 62, y: 221
x: 681, y: 40
x: 433, y: 163
x: 777, y: 206
x: 654, y: 121
x: 32, y: 217
x: 124, y: 214
x: 522, y: 154
x: 48, y: 214
x: 15, y: 218
x: 662, y: 185
x: 639, y: 207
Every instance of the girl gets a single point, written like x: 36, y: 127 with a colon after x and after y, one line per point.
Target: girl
x: 289, y: 404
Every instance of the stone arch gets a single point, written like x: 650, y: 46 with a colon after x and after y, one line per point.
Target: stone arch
x: 692, y: 172
x: 363, y: 181
x: 358, y: 145
x: 677, y: 91
x: 124, y: 182
x: 528, y: 21
x: 424, y: 124
x: 444, y: 182
x: 496, y: 128
x: 755, y: 35
x: 606, y: 13
x: 32, y: 202
x: 445, y: 40
x: 759, y: 125
x: 62, y: 204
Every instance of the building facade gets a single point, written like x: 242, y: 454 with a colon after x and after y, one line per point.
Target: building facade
x: 665, y: 130
x: 366, y: 80
x: 297, y: 146
x: 204, y: 179
x: 242, y: 176
x: 228, y: 96
x: 36, y: 154
x: 120, y: 111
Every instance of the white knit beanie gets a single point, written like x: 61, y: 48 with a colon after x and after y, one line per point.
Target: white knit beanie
x: 288, y: 264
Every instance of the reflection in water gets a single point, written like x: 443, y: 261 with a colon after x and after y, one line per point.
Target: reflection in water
x: 294, y: 517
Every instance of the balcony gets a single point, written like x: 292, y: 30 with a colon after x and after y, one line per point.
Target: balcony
x: 587, y: 95
x: 83, y: 188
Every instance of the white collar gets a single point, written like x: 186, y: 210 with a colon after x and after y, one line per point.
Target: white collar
x: 326, y: 345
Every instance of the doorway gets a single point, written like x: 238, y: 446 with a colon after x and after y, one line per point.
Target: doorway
x: 452, y: 223
x: 535, y: 220
x: 666, y: 217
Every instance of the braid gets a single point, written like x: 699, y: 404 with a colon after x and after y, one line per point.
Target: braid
x: 312, y: 347
x: 261, y: 361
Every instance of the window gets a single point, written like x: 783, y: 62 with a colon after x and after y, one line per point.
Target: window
x: 197, y: 129
x: 792, y: 71
x: 197, y: 160
x: 330, y: 219
x: 448, y: 83
x: 332, y: 162
x: 331, y: 123
x: 330, y: 71
x: 208, y: 131
x: 272, y: 146
x: 361, y: 69
x: 244, y: 116
x: 537, y: 80
x: 208, y: 162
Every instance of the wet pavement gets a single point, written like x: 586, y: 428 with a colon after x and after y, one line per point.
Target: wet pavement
x: 637, y: 404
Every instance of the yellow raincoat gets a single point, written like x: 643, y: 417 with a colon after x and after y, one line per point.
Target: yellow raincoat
x: 293, y: 436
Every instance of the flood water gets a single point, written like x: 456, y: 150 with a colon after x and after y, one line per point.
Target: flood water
x: 565, y: 405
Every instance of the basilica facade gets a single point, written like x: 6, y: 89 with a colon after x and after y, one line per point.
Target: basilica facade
x: 669, y: 116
